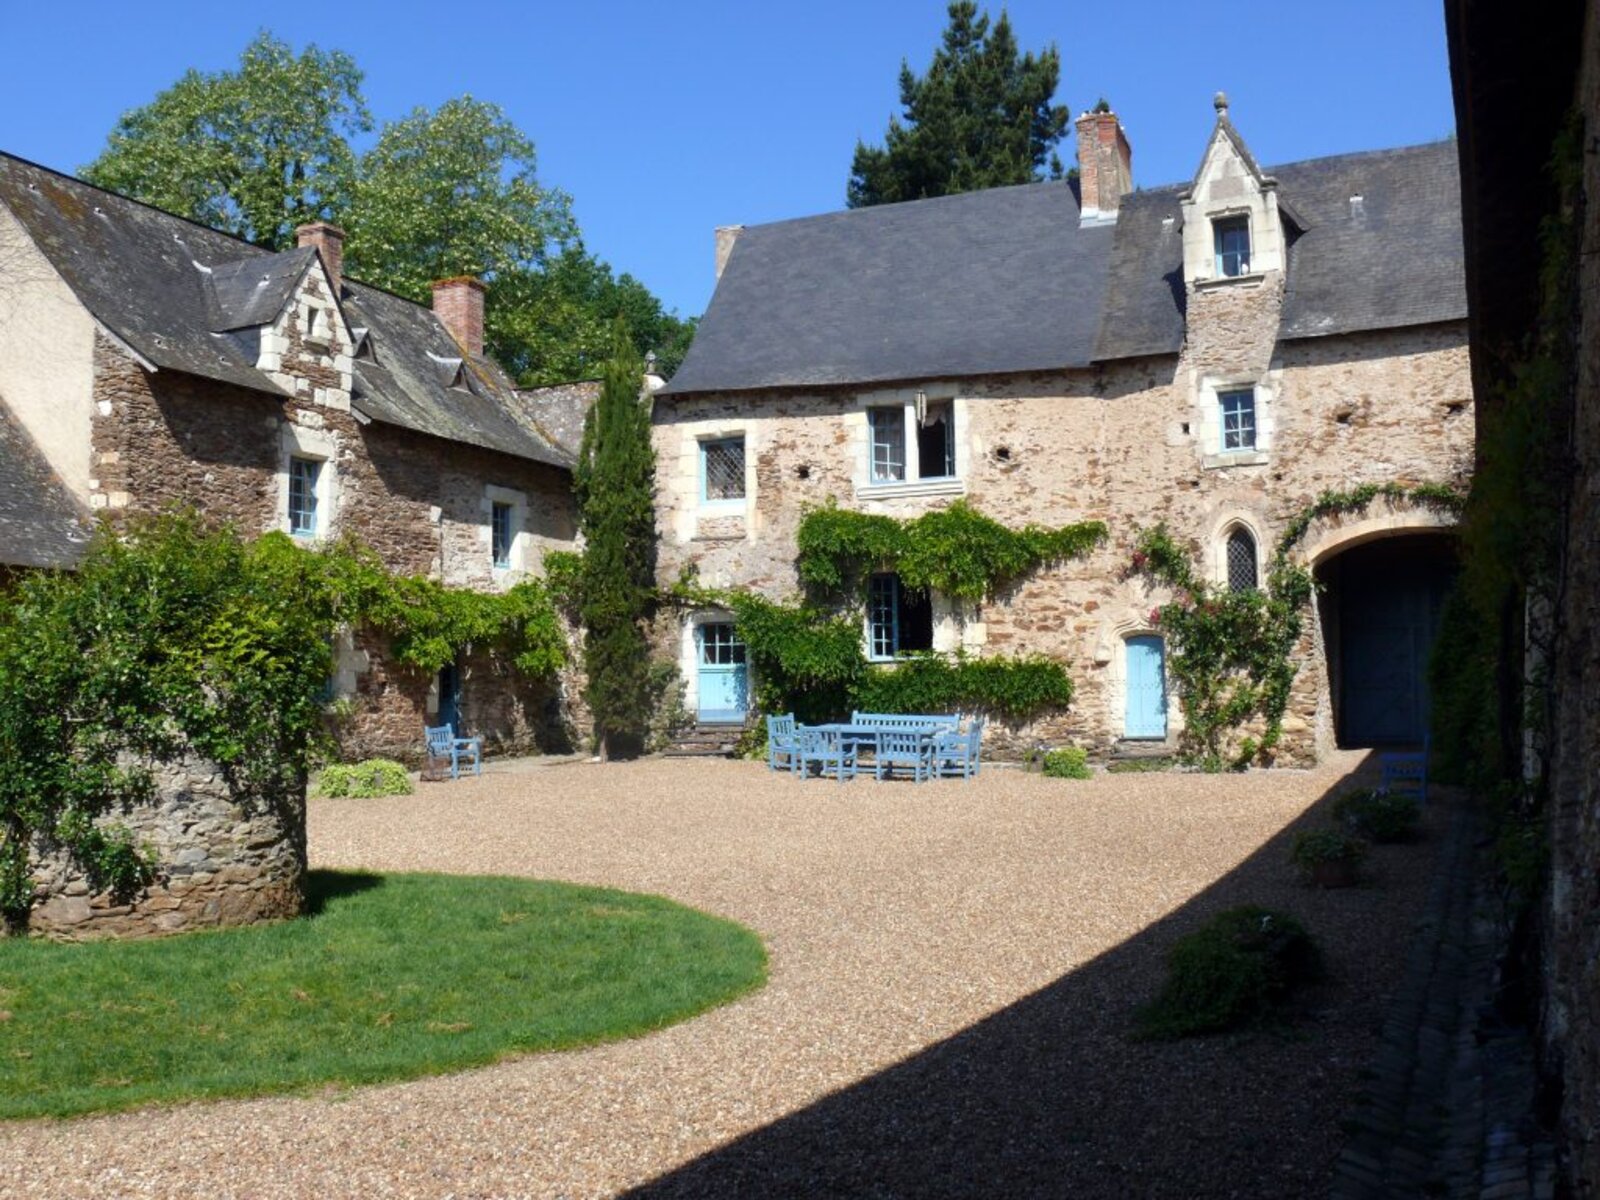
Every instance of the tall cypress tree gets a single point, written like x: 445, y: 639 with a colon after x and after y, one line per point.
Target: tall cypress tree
x: 615, y: 484
x: 980, y: 117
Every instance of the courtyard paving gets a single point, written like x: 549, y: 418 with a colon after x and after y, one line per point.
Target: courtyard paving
x: 953, y: 972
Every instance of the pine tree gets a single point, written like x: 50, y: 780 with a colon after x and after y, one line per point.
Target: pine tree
x: 615, y: 483
x: 980, y: 117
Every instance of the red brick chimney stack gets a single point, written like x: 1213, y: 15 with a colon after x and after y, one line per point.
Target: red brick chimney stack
x: 329, y: 242
x: 1105, y: 163
x: 458, y: 303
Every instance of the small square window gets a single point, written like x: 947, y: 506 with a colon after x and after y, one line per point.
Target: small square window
x: 303, y: 476
x: 501, y: 533
x: 888, y: 444
x: 722, y: 470
x: 1238, y: 419
x: 1233, y: 246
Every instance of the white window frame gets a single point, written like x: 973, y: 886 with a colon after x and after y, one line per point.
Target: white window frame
x: 518, y: 503
x: 913, y: 483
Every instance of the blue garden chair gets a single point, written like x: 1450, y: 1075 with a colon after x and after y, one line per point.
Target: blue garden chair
x: 903, y: 748
x: 829, y: 753
x: 443, y: 743
x: 1405, y: 773
x: 782, y: 742
x: 958, y: 754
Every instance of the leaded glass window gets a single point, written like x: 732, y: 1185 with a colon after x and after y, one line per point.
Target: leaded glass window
x: 1238, y: 419
x: 888, y: 444
x: 1241, y: 561
x: 722, y: 469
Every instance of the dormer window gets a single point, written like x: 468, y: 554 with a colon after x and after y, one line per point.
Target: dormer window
x: 1238, y: 419
x: 1232, y: 235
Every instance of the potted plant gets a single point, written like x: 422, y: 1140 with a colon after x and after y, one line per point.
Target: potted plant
x: 1328, y: 858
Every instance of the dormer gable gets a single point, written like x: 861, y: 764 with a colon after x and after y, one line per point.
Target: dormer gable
x: 308, y: 348
x: 1234, y: 225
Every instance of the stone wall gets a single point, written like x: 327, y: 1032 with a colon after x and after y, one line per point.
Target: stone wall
x: 221, y: 859
x: 1130, y: 443
x: 165, y: 438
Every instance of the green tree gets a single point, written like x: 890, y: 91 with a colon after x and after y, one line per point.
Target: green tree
x: 615, y: 483
x: 255, y: 151
x: 980, y: 117
x: 556, y: 324
x: 448, y: 192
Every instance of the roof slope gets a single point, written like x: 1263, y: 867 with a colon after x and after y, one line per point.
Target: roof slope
x: 172, y: 290
x: 952, y: 286
x: 1005, y: 280
x: 40, y: 524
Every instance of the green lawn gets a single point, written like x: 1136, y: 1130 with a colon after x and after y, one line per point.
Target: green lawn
x: 394, y: 976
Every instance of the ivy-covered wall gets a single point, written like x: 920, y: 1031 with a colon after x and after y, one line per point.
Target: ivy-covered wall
x: 1122, y: 444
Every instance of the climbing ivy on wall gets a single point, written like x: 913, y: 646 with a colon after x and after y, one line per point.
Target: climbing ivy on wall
x: 956, y: 550
x: 1230, y: 654
x: 807, y: 654
x: 176, y: 637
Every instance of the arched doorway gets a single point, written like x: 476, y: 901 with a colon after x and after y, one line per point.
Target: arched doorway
x: 1380, y: 607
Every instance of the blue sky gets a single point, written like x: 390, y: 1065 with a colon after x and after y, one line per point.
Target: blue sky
x: 665, y: 120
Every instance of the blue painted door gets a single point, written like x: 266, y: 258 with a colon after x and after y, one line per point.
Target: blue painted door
x: 723, y: 685
x: 1147, y: 688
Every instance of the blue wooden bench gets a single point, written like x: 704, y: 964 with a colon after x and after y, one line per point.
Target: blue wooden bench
x: 444, y: 744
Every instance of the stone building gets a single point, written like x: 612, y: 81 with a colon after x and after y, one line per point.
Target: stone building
x: 146, y: 362
x: 1213, y: 355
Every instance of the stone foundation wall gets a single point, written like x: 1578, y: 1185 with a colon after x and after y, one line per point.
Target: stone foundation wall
x: 1131, y: 444
x: 220, y: 860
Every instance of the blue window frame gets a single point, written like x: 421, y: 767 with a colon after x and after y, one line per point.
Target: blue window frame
x: 1238, y: 419
x: 1233, y: 245
x: 722, y: 471
x: 888, y: 426
x: 303, y: 476
x: 899, y: 619
x: 501, y: 534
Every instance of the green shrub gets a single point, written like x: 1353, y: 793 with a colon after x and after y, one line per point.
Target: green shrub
x: 1069, y: 762
x: 1313, y: 847
x: 1236, y: 970
x: 1377, y: 816
x: 363, y: 780
x: 1134, y: 766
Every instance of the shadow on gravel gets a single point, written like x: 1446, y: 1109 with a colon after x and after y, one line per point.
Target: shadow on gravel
x: 1050, y: 1097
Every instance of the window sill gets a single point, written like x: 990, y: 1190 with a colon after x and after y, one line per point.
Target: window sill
x: 725, y: 508
x: 911, y: 489
x: 1221, y: 281
x: 1235, y: 458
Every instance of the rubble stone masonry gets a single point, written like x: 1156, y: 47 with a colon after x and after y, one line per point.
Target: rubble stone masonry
x: 1129, y: 443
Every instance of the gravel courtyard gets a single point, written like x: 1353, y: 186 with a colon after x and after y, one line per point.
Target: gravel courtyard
x: 953, y: 970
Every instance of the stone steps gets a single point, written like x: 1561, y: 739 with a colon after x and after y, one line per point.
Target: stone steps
x: 708, y: 740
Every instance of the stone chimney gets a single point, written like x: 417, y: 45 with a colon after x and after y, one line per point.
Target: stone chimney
x: 458, y: 303
x: 727, y: 235
x: 1105, y: 165
x: 329, y: 242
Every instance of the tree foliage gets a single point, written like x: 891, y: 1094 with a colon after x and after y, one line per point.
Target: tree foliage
x: 443, y: 192
x: 980, y: 117
x: 255, y: 151
x: 615, y: 485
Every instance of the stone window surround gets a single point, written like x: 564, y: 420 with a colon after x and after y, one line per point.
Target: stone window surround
x: 737, y: 503
x: 689, y: 654
x: 517, y: 559
x: 1208, y: 405
x: 299, y: 441
x: 1217, y: 545
x: 696, y: 435
x: 1117, y: 692
x: 913, y: 486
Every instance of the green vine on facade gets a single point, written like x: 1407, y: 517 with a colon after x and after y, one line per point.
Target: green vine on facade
x: 956, y: 551
x: 175, y: 638
x: 1230, y: 654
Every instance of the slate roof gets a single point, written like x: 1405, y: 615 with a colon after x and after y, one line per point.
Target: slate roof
x: 1005, y: 280
x: 174, y: 291
x: 40, y: 523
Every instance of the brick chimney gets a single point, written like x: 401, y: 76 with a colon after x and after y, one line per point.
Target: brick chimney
x: 1105, y: 164
x: 727, y: 235
x: 329, y: 242
x: 458, y: 303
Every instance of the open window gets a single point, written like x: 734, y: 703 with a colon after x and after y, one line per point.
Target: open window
x: 899, y: 619
x: 936, y: 443
x: 888, y: 427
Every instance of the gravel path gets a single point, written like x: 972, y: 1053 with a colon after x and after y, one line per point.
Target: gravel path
x: 953, y: 969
